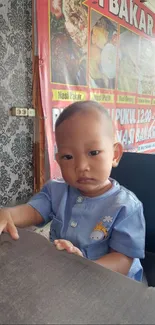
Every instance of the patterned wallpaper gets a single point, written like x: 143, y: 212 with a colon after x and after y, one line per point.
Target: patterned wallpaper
x: 16, y: 134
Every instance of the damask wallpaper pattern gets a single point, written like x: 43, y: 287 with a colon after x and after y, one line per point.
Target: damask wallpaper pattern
x: 16, y: 134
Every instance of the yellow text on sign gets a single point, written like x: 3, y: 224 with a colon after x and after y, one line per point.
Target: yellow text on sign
x: 125, y: 99
x: 144, y: 101
x: 104, y: 98
x: 67, y: 95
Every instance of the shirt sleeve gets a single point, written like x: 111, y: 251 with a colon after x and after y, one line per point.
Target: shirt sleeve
x: 128, y: 234
x: 42, y: 202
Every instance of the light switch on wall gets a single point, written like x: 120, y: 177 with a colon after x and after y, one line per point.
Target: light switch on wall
x: 19, y: 111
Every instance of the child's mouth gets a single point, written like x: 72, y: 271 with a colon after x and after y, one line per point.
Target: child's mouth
x: 85, y: 180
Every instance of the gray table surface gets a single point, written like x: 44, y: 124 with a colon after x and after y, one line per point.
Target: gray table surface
x: 40, y: 285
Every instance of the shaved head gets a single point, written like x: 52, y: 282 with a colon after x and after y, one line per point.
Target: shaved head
x: 86, y: 107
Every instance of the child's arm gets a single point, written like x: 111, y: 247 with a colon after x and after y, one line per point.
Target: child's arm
x: 19, y: 216
x: 116, y: 262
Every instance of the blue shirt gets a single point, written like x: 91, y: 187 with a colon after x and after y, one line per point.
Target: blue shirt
x: 94, y: 225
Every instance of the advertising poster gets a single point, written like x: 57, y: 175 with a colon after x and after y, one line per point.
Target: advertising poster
x: 104, y: 51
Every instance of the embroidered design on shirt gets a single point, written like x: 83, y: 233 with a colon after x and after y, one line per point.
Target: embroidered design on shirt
x: 99, y: 232
x: 107, y: 219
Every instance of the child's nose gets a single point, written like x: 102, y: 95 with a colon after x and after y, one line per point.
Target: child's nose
x: 82, y: 164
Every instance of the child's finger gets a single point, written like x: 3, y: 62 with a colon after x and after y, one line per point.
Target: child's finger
x: 2, y: 225
x: 60, y: 247
x: 69, y: 247
x: 62, y: 244
x: 77, y: 251
x: 12, y: 230
x: 61, y: 241
x: 66, y: 244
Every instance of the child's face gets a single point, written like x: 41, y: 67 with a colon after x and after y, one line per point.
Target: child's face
x: 86, y: 152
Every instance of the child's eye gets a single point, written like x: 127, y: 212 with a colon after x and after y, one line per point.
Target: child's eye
x: 94, y: 153
x: 67, y: 157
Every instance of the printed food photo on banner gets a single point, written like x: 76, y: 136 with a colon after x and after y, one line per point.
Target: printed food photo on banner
x: 69, y: 42
x: 128, y: 59
x: 146, y: 83
x: 103, y: 51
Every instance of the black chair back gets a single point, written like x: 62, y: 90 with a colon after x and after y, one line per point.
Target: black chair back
x: 137, y: 173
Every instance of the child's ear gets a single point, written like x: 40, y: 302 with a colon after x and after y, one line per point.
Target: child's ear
x: 118, y: 152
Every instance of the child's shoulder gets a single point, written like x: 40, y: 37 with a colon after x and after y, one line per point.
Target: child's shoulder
x: 127, y: 194
x: 125, y: 198
x: 56, y: 185
x: 55, y: 189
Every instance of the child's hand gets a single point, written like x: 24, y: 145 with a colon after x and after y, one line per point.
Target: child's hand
x: 62, y: 244
x: 7, y: 223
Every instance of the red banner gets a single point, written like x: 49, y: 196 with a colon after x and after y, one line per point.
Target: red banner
x: 101, y: 50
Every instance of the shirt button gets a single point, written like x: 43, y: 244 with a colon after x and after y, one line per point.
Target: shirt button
x: 74, y: 224
x: 79, y: 199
